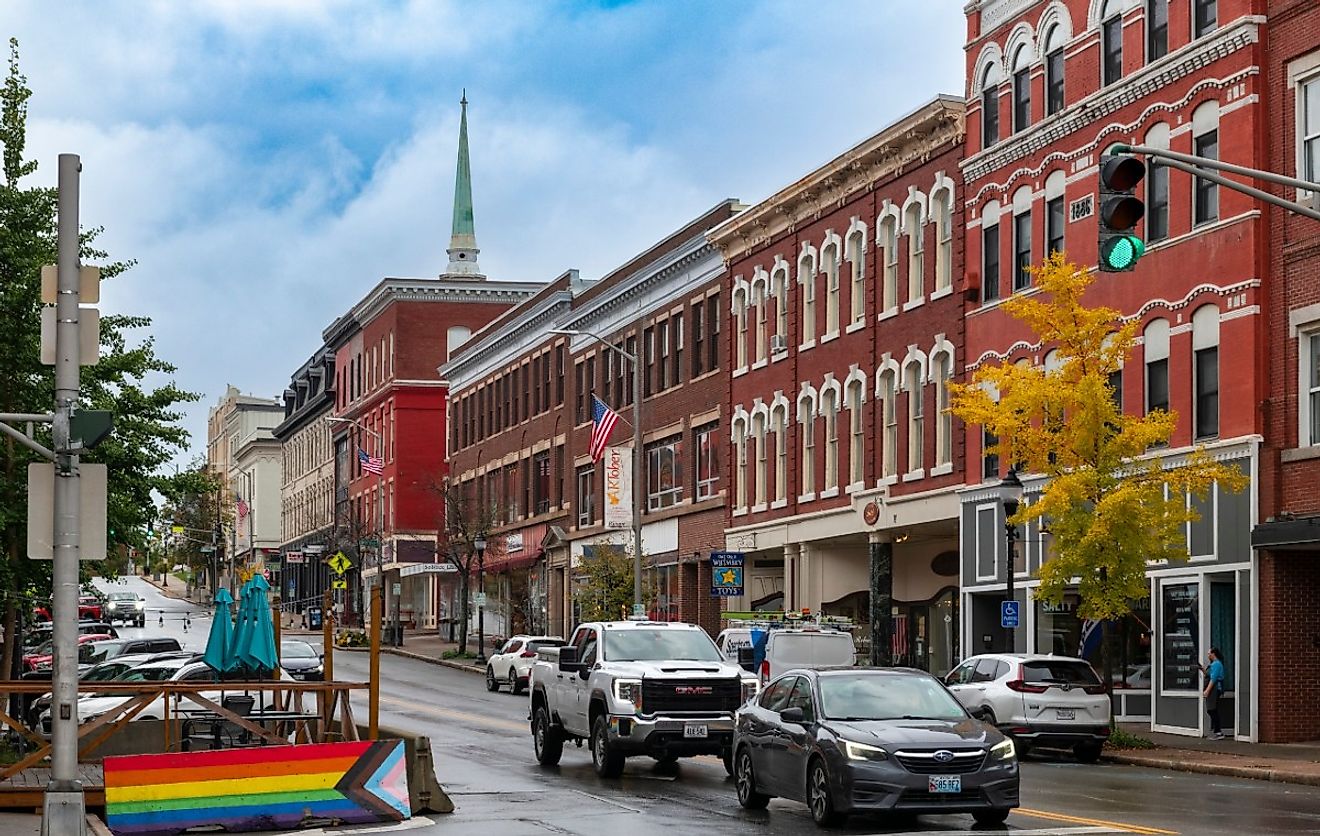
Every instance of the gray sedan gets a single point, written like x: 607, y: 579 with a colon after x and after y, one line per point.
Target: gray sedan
x: 871, y: 741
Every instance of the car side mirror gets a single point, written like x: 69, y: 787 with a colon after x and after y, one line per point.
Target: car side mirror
x: 747, y: 659
x: 793, y: 715
x: 568, y: 660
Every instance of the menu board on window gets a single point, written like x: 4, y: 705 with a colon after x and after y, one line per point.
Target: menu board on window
x: 1179, y: 657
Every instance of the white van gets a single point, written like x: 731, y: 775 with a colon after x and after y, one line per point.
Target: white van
x: 787, y: 649
x: 732, y: 640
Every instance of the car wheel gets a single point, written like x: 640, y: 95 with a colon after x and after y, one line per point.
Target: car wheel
x: 492, y: 684
x: 998, y: 815
x: 745, y: 779
x: 987, y: 715
x: 515, y: 684
x: 819, y: 797
x: 1088, y: 752
x: 546, y: 739
x: 608, y: 762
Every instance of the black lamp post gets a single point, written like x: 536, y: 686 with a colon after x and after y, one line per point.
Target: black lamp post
x: 1010, y: 493
x: 480, y: 545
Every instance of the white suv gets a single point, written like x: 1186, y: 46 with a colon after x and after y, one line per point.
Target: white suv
x: 1038, y: 700
x: 513, y: 663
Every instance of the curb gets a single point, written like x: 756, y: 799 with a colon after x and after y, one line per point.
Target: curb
x: 430, y: 660
x: 1257, y: 772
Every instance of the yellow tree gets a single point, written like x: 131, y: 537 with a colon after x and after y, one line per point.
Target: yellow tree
x: 1110, y: 506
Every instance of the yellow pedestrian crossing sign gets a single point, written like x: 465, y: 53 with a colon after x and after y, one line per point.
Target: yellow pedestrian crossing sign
x: 338, y: 583
x: 340, y: 563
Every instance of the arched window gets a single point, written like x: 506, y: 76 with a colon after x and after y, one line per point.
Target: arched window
x: 807, y: 420
x: 1157, y: 29
x: 1111, y: 42
x: 916, y: 253
x: 1054, y: 90
x: 1205, y: 143
x: 829, y: 262
x: 889, y: 420
x: 941, y: 374
x: 857, y: 261
x: 990, y: 105
x: 779, y: 287
x: 740, y: 463
x: 857, y: 435
x: 807, y: 279
x: 780, y: 420
x: 762, y: 337
x: 916, y: 417
x: 1155, y: 345
x: 889, y: 243
x: 941, y: 209
x: 758, y: 432
x: 740, y: 314
x: 1021, y: 88
x: 1157, y: 186
x: 1022, y: 259
x: 829, y: 403
x: 1205, y: 371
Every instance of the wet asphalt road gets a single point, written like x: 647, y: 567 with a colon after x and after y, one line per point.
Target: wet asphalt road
x: 484, y: 760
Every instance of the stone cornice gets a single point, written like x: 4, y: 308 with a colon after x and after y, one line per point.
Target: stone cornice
x: 913, y: 139
x: 392, y: 290
x: 510, y: 341
x: 624, y: 293
x: 1191, y: 60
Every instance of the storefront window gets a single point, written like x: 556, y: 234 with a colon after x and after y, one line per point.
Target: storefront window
x: 1180, y: 618
x: 1061, y: 631
x: 664, y: 606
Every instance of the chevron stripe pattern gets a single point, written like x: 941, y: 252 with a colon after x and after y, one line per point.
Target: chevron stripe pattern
x: 262, y: 788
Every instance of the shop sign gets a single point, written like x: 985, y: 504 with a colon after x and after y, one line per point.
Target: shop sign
x: 618, y: 488
x: 726, y: 574
x: 1181, y: 627
x: 513, y: 542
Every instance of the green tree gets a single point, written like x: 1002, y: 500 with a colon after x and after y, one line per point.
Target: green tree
x: 192, y: 503
x: 147, y: 432
x: 1111, y: 506
x: 464, y: 520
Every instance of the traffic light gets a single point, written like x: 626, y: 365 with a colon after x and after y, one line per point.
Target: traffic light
x: 1120, y: 210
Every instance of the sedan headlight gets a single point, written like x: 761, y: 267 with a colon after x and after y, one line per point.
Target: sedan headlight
x: 750, y: 688
x: 863, y: 751
x: 1004, y: 750
x: 629, y: 690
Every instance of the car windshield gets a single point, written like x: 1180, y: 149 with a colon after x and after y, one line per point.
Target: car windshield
x: 803, y: 649
x: 887, y: 697
x: 123, y: 596
x: 639, y: 645
x: 99, y: 651
x: 1058, y: 672
x: 147, y: 673
x: 106, y: 671
x: 297, y: 650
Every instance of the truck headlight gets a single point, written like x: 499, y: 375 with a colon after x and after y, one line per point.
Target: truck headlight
x: 750, y: 688
x: 1004, y: 750
x: 863, y: 751
x: 137, y: 605
x: 630, y: 691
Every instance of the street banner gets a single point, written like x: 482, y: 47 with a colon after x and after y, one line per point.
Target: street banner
x: 261, y: 788
x: 618, y: 487
x: 726, y: 574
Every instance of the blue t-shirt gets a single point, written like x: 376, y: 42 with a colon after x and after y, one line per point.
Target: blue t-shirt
x: 1215, y: 673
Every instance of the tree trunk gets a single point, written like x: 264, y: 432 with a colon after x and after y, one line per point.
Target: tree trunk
x: 1107, y: 662
x: 463, y: 585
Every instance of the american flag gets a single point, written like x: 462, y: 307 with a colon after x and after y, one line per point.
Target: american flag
x: 242, y: 509
x: 371, y: 464
x: 603, y: 420
x: 899, y: 639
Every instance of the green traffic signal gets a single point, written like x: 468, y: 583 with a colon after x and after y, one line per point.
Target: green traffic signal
x: 1121, y: 253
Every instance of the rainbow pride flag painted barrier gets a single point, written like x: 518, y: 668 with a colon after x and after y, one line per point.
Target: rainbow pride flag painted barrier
x: 262, y: 788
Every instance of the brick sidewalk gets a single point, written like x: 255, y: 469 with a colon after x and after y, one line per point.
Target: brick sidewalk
x: 1293, y: 763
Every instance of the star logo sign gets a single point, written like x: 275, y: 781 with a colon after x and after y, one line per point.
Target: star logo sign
x: 729, y: 576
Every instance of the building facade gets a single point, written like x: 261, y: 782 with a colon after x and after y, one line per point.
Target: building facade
x: 1051, y: 87
x: 845, y: 328
x: 1287, y: 537
x: 521, y: 424
x: 307, y: 492
x: 242, y: 454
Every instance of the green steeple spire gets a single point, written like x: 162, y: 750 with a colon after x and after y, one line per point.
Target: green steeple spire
x: 463, y: 240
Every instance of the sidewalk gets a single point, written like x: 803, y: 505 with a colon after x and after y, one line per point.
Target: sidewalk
x: 1293, y: 763
x: 424, y: 647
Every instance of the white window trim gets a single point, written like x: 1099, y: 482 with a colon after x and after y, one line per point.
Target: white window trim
x: 1302, y: 71
x: 855, y: 327
x: 806, y: 497
x: 915, y: 303
x: 779, y: 503
x: 756, y: 509
x: 914, y: 475
x: 829, y: 493
x: 941, y: 293
x: 1304, y: 334
x: 942, y: 469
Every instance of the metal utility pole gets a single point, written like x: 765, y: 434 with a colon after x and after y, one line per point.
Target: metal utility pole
x: 64, y: 812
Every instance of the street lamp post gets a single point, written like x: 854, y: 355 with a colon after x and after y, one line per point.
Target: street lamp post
x: 1010, y: 493
x: 637, y: 493
x: 480, y: 545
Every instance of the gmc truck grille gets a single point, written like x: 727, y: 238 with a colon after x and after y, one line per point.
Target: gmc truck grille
x: 678, y: 696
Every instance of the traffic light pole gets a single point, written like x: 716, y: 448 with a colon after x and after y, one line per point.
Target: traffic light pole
x: 64, y: 811
x: 1197, y: 166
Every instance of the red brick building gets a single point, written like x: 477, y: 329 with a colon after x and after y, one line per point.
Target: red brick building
x: 1288, y: 537
x: 521, y: 421
x: 1051, y: 86
x: 845, y: 326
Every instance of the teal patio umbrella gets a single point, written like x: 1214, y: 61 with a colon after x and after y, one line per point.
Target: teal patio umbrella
x: 222, y: 632
x: 260, y: 653
x: 242, y: 628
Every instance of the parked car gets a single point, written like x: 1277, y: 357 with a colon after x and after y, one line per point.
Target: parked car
x: 512, y: 665
x: 40, y: 658
x: 1040, y: 700
x: 40, y: 635
x: 89, y: 608
x: 806, y: 648
x: 103, y: 672
x: 865, y: 741
x: 732, y: 640
x: 636, y: 688
x: 105, y: 651
x: 126, y: 607
x: 302, y: 661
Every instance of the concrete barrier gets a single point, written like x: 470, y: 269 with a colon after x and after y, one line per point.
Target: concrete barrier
x: 424, y: 790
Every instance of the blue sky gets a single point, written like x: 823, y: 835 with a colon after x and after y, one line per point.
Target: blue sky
x: 268, y: 162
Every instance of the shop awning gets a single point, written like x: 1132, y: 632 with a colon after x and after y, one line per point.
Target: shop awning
x: 1302, y: 534
x: 512, y: 563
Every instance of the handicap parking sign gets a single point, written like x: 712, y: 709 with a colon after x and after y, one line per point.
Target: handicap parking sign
x: 1008, y: 614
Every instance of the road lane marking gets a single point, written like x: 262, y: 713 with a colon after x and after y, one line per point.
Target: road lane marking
x: 455, y: 715
x: 1113, y: 825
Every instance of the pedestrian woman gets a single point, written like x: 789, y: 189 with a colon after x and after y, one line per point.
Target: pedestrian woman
x: 1214, y: 689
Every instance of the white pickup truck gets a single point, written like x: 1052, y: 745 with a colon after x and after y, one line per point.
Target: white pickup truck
x: 636, y: 688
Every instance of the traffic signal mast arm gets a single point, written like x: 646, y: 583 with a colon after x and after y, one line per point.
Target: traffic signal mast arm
x: 1196, y: 166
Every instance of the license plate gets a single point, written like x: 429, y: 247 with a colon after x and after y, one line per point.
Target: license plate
x: 945, y: 783
x: 1065, y: 713
x: 695, y: 730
